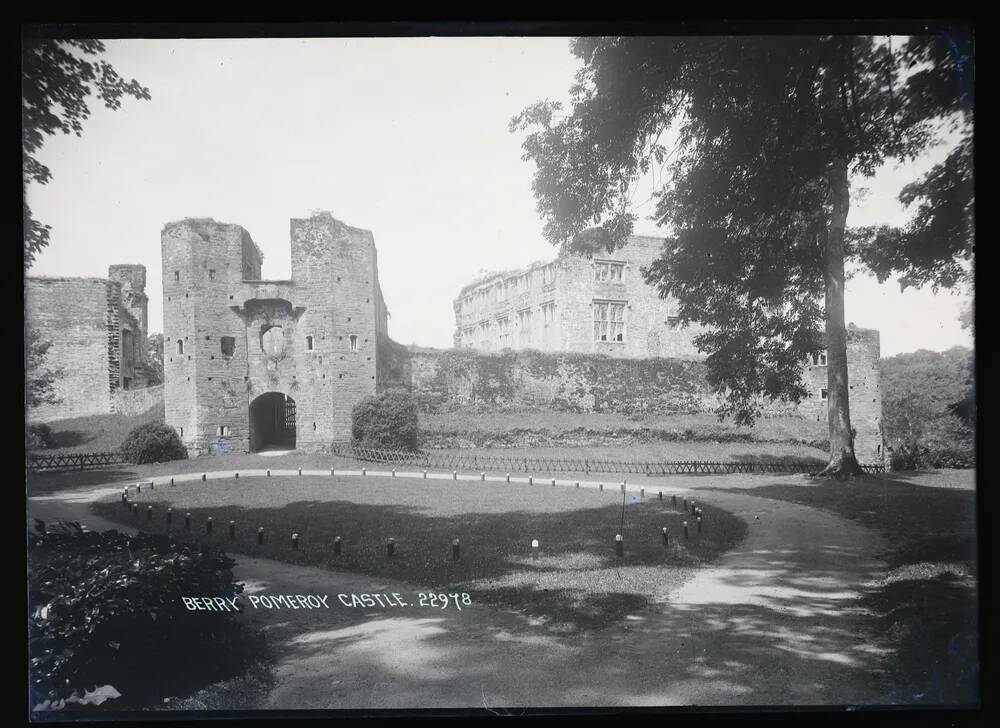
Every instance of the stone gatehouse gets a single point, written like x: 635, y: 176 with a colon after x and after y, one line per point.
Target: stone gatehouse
x: 251, y: 364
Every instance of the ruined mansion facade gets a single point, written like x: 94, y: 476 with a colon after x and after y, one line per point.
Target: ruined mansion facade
x: 252, y: 363
x: 599, y: 304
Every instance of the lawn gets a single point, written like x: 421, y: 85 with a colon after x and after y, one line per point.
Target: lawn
x: 97, y: 433
x: 577, y: 581
x: 570, y: 426
x: 927, y: 601
x: 758, y: 452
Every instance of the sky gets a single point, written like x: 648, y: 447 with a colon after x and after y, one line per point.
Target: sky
x: 406, y: 137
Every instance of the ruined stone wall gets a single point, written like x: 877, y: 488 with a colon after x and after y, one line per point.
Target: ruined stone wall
x: 457, y: 379
x: 80, y: 317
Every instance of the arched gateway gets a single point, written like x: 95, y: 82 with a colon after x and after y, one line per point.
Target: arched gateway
x: 272, y: 421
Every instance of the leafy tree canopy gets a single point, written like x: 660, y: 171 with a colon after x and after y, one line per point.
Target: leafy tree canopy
x: 768, y: 130
x: 58, y: 77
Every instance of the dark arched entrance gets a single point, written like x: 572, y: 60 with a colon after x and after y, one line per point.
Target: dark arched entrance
x: 272, y: 421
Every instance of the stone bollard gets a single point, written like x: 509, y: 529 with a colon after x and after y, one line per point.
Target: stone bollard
x: 600, y: 487
x: 578, y: 484
x: 138, y: 488
x: 508, y: 477
x: 390, y: 547
x: 204, y: 476
x: 269, y: 472
x: 531, y: 480
x: 642, y: 492
x: 619, y: 546
x: 149, y: 513
x: 666, y: 540
x: 425, y: 475
x: 295, y: 542
x: 623, y: 486
x: 364, y: 471
x: 336, y: 546
x: 135, y: 509
x: 699, y: 524
x: 187, y: 521
x: 394, y: 472
x: 152, y: 485
x: 232, y: 530
x: 171, y: 481
x: 260, y: 536
x: 237, y: 475
x: 685, y: 529
x: 534, y: 549
x: 454, y: 475
x: 685, y: 505
x: 553, y: 482
x: 332, y: 473
x: 170, y: 515
x: 660, y: 494
x: 482, y: 475
x: 300, y: 471
x: 455, y: 553
x: 208, y: 525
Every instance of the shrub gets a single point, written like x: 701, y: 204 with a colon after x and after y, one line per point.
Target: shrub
x: 387, y: 420
x: 106, y: 610
x: 153, y: 442
x: 39, y: 436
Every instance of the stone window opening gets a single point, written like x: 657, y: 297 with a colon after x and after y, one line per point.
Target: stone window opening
x: 222, y: 431
x: 227, y: 344
x: 673, y: 321
x: 211, y: 274
x: 354, y: 342
x: 548, y: 313
x: 182, y: 432
x: 607, y: 271
x: 609, y: 321
x: 177, y: 275
x: 823, y: 393
x: 314, y: 427
x: 180, y: 346
x: 309, y: 343
x: 819, y: 358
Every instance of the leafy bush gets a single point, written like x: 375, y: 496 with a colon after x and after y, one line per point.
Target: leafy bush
x: 153, y: 442
x: 39, y: 436
x: 106, y: 610
x: 925, y: 407
x: 387, y: 420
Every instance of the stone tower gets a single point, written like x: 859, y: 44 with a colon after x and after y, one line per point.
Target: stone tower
x: 250, y: 363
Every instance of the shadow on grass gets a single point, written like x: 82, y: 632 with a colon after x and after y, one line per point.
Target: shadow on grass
x: 932, y: 622
x: 493, y: 545
x: 802, y: 642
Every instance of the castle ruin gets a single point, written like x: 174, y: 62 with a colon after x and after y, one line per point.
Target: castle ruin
x: 600, y: 304
x: 251, y: 363
x: 97, y: 330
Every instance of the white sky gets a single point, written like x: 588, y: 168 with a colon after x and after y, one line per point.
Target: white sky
x: 407, y: 137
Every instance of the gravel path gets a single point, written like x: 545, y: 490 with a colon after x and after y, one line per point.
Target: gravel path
x: 772, y: 622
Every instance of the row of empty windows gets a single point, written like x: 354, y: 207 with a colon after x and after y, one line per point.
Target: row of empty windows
x: 269, y: 342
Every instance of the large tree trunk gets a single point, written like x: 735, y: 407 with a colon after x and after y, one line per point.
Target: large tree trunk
x: 843, y: 463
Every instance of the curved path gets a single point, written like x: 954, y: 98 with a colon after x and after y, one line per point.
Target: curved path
x: 772, y: 622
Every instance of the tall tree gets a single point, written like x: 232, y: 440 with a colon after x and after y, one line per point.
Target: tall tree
x: 769, y: 132
x: 39, y: 377
x: 57, y: 79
